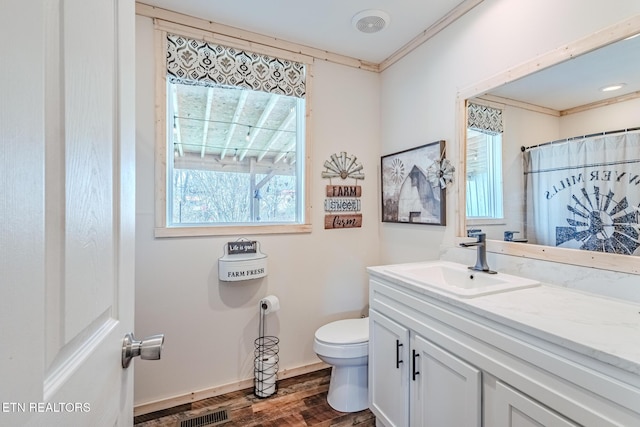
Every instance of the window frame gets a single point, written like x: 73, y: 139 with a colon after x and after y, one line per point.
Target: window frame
x: 496, y: 184
x: 162, y: 229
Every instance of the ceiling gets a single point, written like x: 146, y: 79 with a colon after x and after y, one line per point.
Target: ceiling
x: 577, y: 82
x: 325, y: 24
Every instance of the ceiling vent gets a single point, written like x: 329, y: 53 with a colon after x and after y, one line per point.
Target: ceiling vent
x: 371, y: 21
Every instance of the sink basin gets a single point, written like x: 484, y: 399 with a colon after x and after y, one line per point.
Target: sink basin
x: 458, y: 279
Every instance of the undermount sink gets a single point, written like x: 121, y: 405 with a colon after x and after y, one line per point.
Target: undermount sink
x: 458, y: 279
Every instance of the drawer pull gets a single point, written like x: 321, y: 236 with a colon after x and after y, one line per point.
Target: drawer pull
x: 414, y: 372
x: 398, y: 361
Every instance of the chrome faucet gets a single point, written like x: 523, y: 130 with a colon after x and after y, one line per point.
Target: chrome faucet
x: 481, y: 245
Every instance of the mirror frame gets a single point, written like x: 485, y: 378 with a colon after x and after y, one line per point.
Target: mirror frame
x: 606, y: 261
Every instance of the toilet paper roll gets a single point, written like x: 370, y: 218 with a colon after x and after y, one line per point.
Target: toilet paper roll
x: 270, y: 304
x: 265, y: 376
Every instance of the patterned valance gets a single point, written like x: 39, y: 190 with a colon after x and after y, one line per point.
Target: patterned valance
x: 197, y: 62
x: 484, y: 119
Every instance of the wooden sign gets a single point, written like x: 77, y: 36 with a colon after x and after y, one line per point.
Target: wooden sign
x: 342, y: 205
x: 343, y: 201
x: 343, y: 221
x: 344, y: 191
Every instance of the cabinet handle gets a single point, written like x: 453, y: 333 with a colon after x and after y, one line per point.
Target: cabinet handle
x: 413, y: 368
x: 398, y: 361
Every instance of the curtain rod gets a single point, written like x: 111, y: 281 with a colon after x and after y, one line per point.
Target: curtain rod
x: 523, y: 148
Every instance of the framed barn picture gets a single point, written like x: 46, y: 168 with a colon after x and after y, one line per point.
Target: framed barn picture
x: 411, y: 190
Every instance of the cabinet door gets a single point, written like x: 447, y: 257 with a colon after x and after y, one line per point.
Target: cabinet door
x: 445, y: 390
x: 388, y: 370
x: 514, y: 409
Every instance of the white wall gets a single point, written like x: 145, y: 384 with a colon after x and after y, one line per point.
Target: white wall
x: 622, y: 115
x: 210, y: 326
x: 418, y: 105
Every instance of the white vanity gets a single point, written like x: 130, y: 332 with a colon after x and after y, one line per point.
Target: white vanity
x: 450, y: 347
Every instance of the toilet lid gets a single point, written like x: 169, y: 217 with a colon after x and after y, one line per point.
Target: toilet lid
x: 349, y: 331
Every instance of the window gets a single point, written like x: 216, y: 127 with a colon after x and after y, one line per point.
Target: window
x: 235, y: 140
x: 484, y: 163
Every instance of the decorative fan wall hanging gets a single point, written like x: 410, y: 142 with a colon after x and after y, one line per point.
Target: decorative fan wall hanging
x: 440, y: 173
x: 342, y: 166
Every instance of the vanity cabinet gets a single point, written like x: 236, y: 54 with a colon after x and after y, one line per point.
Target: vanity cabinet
x: 413, y: 382
x: 445, y: 390
x: 388, y: 370
x: 514, y: 409
x: 433, y: 362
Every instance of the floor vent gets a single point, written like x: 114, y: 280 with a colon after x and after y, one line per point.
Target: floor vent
x: 209, y: 419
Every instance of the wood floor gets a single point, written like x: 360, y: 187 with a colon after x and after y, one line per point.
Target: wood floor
x: 299, y: 401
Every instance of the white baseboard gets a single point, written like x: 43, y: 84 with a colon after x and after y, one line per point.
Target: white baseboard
x: 158, y: 405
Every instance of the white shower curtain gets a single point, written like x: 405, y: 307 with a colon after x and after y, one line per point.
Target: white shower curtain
x: 585, y: 193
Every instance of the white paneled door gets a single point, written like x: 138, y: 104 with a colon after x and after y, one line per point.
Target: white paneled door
x: 67, y: 211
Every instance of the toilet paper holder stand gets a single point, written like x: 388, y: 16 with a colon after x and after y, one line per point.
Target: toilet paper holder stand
x: 266, y: 358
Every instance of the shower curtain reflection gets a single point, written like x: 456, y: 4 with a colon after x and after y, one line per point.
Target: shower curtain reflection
x: 585, y: 193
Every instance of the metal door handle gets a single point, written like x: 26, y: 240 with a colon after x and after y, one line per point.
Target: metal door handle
x: 413, y: 368
x: 149, y: 348
x: 398, y: 361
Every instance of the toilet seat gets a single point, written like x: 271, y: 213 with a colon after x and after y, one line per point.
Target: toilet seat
x: 348, y: 331
x: 343, y: 339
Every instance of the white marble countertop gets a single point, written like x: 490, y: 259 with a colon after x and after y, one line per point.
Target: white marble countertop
x: 602, y: 328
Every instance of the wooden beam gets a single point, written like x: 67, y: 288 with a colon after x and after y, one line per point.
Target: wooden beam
x: 194, y: 161
x: 273, y: 100
x: 232, y: 127
x: 284, y: 152
x: 519, y: 104
x: 206, y: 121
x: 278, y: 134
x: 603, y: 103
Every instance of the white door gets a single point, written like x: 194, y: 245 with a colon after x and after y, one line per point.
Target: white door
x: 67, y: 211
x: 388, y: 370
x: 514, y: 409
x: 445, y: 390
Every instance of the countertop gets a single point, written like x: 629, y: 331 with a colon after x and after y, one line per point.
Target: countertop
x: 601, y: 328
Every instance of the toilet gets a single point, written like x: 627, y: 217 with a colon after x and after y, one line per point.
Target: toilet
x: 344, y: 344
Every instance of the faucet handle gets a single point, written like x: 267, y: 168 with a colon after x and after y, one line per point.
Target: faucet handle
x: 473, y: 232
x: 508, y: 235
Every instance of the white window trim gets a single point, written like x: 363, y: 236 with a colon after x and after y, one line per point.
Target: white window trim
x: 161, y: 228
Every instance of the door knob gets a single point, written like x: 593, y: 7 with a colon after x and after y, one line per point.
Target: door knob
x: 149, y: 348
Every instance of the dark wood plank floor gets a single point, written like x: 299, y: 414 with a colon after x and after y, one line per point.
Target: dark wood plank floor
x: 299, y: 401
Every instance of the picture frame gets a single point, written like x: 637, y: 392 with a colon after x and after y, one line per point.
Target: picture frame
x: 411, y: 190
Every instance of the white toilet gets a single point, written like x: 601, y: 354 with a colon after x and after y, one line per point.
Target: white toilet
x: 344, y: 344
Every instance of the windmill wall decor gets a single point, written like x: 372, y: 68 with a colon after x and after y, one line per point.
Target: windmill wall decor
x: 343, y: 205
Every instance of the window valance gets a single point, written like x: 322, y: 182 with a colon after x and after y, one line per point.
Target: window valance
x: 191, y: 61
x: 484, y: 119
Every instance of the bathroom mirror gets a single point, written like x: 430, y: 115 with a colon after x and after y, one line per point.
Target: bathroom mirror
x: 553, y: 97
